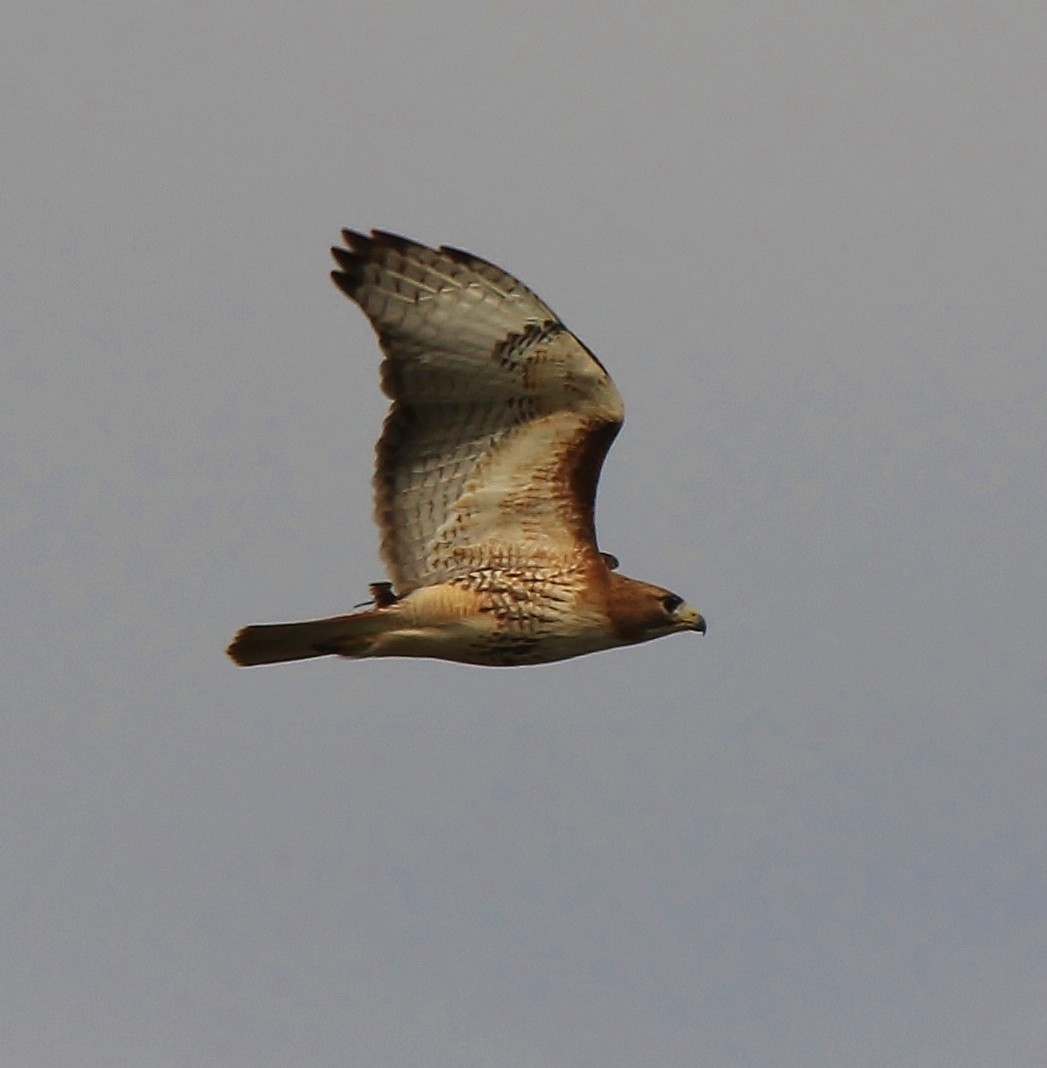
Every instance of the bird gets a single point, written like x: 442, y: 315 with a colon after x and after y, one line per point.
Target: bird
x: 485, y: 478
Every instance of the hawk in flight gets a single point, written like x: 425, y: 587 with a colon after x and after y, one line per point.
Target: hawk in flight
x: 486, y: 477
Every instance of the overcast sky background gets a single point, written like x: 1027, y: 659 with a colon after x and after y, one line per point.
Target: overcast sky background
x: 809, y: 240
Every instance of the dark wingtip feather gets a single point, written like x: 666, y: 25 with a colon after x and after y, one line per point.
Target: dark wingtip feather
x: 468, y: 259
x: 347, y: 283
x: 391, y: 240
x: 344, y: 258
x: 360, y: 250
x: 351, y: 261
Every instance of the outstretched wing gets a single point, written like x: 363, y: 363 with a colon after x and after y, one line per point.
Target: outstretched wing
x: 501, y: 417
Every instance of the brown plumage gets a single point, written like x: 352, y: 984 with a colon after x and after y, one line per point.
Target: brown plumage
x: 485, y: 482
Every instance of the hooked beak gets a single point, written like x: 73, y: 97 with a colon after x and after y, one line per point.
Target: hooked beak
x: 690, y: 618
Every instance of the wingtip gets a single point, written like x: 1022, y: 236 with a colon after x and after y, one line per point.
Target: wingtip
x: 350, y: 263
x: 361, y: 248
x: 357, y: 241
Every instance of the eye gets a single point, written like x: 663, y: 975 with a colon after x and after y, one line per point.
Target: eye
x: 670, y: 602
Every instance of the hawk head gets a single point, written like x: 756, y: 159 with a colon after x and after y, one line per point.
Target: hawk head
x: 638, y: 611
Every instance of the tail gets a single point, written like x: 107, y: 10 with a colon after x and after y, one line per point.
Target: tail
x: 276, y: 643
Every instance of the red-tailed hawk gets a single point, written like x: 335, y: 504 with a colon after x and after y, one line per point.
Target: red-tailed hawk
x: 486, y: 477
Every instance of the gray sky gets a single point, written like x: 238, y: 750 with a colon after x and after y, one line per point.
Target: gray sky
x: 810, y: 243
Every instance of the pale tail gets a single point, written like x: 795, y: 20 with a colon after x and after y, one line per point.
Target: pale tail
x: 275, y: 643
